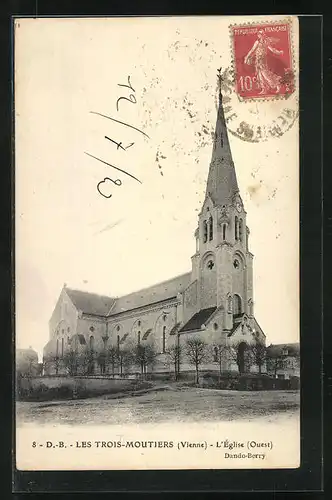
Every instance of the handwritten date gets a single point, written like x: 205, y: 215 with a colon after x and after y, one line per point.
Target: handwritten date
x: 104, y: 185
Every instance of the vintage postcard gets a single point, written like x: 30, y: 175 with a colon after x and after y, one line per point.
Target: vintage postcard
x: 157, y: 243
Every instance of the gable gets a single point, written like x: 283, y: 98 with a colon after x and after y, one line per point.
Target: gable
x: 56, y: 315
x: 247, y: 329
x: 208, y: 204
x: 64, y: 312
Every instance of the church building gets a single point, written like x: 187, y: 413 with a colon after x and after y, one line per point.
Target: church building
x: 214, y: 301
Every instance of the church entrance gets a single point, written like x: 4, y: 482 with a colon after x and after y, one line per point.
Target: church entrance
x: 241, y: 357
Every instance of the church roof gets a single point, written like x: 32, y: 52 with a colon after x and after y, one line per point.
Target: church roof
x: 198, y: 319
x: 101, y: 305
x: 222, y: 183
x: 90, y: 303
x: 156, y: 293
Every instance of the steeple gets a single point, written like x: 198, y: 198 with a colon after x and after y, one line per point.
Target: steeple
x: 222, y: 183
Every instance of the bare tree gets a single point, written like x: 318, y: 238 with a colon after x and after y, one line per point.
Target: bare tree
x: 52, y: 359
x: 144, y: 356
x: 31, y: 365
x: 276, y: 363
x: 259, y: 355
x: 220, y: 355
x: 125, y: 358
x: 70, y: 362
x: 102, y: 360
x: 112, y: 358
x: 174, y: 355
x: 196, y: 352
x: 90, y: 361
x: 86, y: 361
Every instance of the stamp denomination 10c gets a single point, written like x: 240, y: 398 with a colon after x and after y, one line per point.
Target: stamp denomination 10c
x: 263, y: 60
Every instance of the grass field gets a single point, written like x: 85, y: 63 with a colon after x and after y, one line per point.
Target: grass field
x: 164, y: 405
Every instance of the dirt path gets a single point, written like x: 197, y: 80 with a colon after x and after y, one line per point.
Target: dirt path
x: 161, y: 404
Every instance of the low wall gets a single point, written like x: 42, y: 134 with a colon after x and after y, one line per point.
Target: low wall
x: 58, y: 387
x: 88, y: 382
x: 247, y: 381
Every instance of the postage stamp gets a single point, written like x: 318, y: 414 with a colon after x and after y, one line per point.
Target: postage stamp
x: 263, y: 60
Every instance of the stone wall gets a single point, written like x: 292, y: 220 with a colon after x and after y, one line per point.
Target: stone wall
x: 53, y: 388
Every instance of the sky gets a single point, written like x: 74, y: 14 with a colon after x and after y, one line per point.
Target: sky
x: 66, y: 71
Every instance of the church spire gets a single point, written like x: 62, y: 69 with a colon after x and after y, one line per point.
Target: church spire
x: 222, y: 183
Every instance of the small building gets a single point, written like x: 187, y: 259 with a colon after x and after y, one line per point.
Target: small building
x: 283, y: 360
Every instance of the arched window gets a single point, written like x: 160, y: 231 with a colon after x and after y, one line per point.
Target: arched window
x: 224, y: 232
x: 138, y: 338
x: 118, y: 343
x: 237, y: 304
x: 164, y: 338
x: 215, y: 354
x: 236, y: 228
x: 241, y: 230
x: 91, y: 342
x: 210, y: 228
x: 205, y: 231
x: 62, y: 341
x: 57, y: 347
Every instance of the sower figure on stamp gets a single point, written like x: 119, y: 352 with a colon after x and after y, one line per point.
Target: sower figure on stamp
x: 266, y: 77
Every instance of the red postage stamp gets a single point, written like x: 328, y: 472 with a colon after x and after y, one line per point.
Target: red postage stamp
x: 263, y: 60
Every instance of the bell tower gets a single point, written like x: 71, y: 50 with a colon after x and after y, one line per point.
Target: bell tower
x: 222, y: 264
